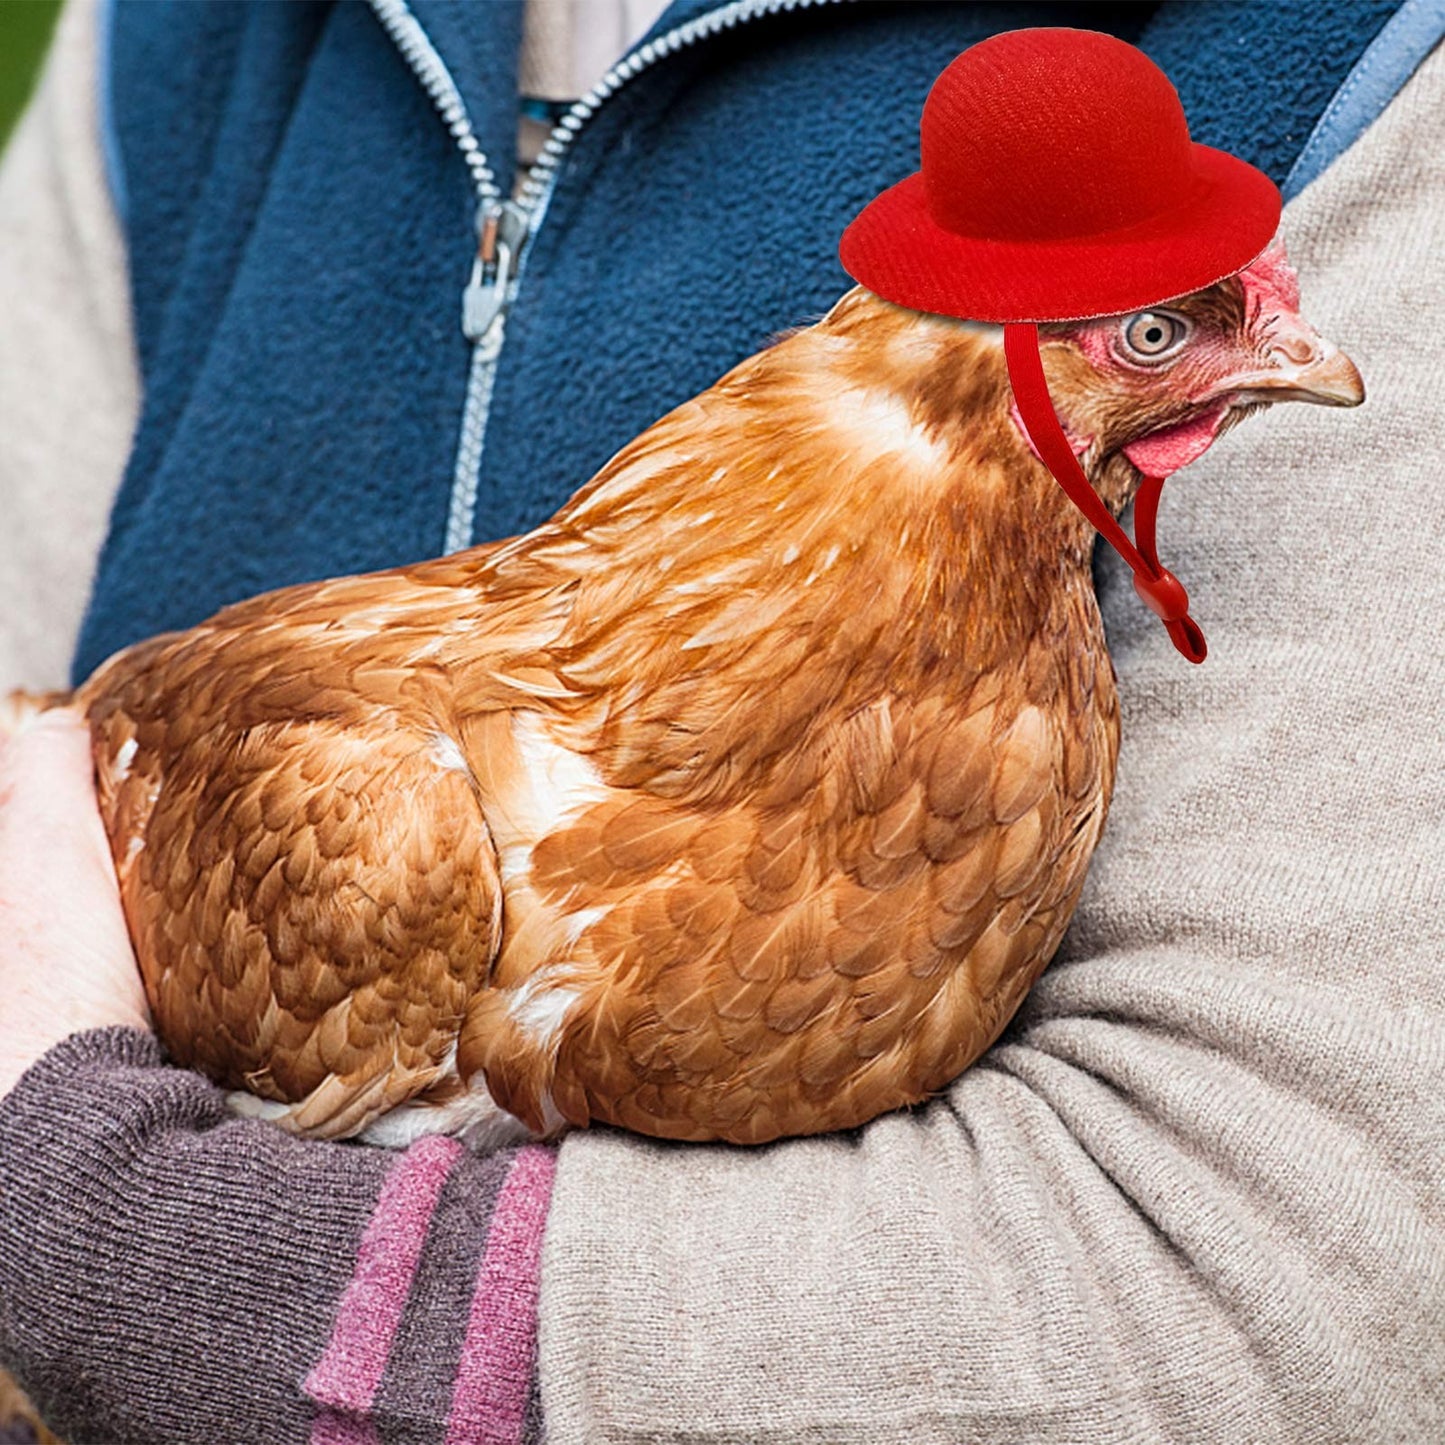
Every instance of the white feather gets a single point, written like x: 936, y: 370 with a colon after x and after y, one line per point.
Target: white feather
x: 447, y: 754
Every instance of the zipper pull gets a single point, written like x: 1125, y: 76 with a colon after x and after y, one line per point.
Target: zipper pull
x: 501, y: 230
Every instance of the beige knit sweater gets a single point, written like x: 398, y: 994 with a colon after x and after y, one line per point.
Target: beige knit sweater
x: 1198, y: 1195
x: 69, y: 391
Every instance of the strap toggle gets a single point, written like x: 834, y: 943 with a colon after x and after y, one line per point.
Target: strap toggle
x: 1163, y: 595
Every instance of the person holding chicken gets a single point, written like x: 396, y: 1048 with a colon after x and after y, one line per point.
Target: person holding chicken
x: 360, y: 1366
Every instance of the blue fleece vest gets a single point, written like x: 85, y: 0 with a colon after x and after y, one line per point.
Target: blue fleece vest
x: 301, y: 224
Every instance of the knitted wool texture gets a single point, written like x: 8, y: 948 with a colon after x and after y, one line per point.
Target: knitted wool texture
x: 1198, y: 1191
x: 149, y: 1297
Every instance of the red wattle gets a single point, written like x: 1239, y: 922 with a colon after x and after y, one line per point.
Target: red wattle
x: 1164, y: 451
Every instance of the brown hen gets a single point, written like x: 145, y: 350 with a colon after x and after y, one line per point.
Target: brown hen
x: 745, y: 798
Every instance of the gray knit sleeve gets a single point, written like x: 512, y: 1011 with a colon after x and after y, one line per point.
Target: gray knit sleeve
x: 1198, y: 1192
x: 169, y: 1273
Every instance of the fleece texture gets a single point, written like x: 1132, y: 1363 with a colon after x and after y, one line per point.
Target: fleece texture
x: 1254, y: 75
x: 300, y: 227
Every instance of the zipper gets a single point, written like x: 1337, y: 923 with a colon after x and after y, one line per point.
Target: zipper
x: 431, y: 70
x: 505, y: 228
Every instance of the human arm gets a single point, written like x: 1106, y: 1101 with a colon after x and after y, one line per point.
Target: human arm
x: 105, y: 1153
x: 1196, y: 1192
x: 169, y: 1273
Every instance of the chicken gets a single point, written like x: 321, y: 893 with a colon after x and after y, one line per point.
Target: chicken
x: 744, y: 798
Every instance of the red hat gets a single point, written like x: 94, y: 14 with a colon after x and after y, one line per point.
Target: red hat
x: 1058, y: 183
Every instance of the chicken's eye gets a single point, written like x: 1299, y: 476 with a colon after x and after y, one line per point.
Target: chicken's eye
x: 1153, y: 335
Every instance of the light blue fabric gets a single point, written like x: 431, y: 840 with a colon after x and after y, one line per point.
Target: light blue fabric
x: 1408, y: 37
x: 109, y: 140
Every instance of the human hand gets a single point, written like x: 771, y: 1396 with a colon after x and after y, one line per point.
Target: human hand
x: 66, y: 962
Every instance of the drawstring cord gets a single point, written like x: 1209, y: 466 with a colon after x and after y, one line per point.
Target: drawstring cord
x: 1159, y: 589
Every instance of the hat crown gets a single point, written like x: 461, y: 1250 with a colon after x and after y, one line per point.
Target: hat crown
x: 1050, y: 133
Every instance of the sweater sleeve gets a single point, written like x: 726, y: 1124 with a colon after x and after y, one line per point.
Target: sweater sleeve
x: 169, y: 1273
x: 1198, y: 1191
x: 69, y: 386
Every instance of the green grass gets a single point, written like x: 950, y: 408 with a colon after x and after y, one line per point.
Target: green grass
x: 25, y: 27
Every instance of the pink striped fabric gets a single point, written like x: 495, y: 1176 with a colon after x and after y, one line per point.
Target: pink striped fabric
x: 489, y: 1402
x: 329, y: 1428
x: 345, y: 1379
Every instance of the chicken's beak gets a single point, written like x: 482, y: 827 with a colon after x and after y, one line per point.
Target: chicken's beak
x: 1303, y: 367
x: 1328, y: 378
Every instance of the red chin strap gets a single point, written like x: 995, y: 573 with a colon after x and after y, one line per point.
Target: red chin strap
x: 1161, y: 591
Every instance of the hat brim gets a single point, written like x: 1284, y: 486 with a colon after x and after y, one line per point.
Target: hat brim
x: 1227, y: 216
